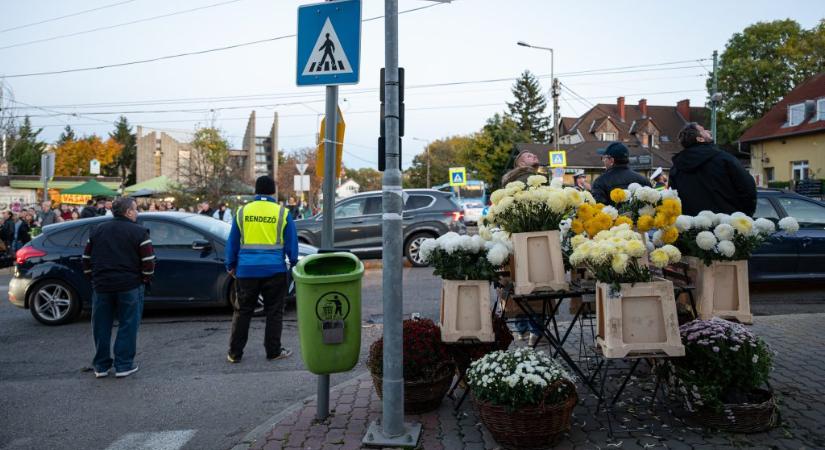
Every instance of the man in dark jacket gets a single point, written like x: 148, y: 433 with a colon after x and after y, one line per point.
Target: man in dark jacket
x: 615, y: 158
x: 708, y: 178
x: 89, y: 210
x: 120, y: 260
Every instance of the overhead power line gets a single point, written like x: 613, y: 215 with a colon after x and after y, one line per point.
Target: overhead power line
x: 180, y: 55
x: 118, y: 25
x: 19, y: 27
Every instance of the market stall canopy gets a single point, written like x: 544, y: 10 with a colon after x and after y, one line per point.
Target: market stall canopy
x: 142, y: 193
x: 92, y: 188
x: 157, y: 185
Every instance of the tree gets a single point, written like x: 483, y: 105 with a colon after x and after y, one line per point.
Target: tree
x: 125, y: 163
x: 207, y: 174
x: 25, y: 150
x: 72, y: 157
x: 444, y: 153
x: 492, y: 147
x: 759, y: 66
x: 288, y: 169
x: 528, y: 108
x: 66, y: 136
x: 367, y: 178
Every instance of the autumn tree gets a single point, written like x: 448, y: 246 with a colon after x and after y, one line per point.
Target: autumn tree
x: 288, y: 169
x: 25, y: 150
x: 207, y: 174
x: 367, y: 178
x: 454, y: 151
x: 72, y: 158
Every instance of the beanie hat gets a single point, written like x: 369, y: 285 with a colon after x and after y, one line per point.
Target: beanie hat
x: 264, y: 185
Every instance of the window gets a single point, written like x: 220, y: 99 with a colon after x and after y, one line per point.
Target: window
x: 374, y: 205
x: 64, y: 238
x: 169, y: 235
x: 803, y: 210
x: 799, y: 170
x: 765, y: 210
x: 796, y: 114
x: 608, y: 136
x: 353, y: 208
x: 820, y: 109
x: 417, y: 202
x: 769, y: 174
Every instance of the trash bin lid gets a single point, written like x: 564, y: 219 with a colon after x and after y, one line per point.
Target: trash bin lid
x: 322, y: 268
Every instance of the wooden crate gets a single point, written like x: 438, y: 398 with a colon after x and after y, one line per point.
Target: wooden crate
x: 722, y: 289
x: 639, y: 320
x: 466, y: 311
x: 537, y: 262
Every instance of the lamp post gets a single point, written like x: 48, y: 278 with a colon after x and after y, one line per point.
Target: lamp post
x: 553, y: 90
x: 428, y: 158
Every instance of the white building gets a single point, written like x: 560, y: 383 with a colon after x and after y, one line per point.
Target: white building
x: 347, y: 189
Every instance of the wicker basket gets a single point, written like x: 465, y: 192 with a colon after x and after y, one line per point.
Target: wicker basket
x: 421, y: 396
x: 529, y: 427
x: 742, y: 418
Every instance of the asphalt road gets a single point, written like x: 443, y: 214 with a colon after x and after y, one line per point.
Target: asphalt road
x: 186, y: 395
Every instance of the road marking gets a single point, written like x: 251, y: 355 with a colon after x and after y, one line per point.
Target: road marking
x: 161, y: 440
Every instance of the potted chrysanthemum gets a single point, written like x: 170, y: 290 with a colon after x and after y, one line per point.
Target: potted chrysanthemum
x: 466, y: 265
x: 635, y: 312
x: 716, y: 248
x: 720, y: 380
x: 532, y: 214
x: 524, y: 397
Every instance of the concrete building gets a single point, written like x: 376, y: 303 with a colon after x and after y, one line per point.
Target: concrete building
x: 161, y: 153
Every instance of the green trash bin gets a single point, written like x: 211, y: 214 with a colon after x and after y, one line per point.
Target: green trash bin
x: 328, y: 299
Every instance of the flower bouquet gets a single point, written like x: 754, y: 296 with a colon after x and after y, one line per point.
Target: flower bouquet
x: 466, y: 265
x: 719, y: 378
x: 636, y: 313
x: 524, y: 397
x: 717, y: 248
x: 428, y: 370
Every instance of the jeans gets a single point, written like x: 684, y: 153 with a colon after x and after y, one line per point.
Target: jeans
x: 523, y: 323
x: 273, y: 290
x: 128, y: 306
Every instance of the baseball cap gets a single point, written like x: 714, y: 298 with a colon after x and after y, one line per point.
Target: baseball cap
x: 578, y: 173
x: 656, y: 173
x: 616, y: 149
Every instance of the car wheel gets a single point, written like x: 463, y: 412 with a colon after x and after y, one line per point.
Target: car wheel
x: 53, y: 302
x: 413, y: 247
x: 233, y: 302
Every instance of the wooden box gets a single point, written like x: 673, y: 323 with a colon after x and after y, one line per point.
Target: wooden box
x: 638, y: 320
x: 722, y: 289
x: 466, y: 311
x: 537, y: 262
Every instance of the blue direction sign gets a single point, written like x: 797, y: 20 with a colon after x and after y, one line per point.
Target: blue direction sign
x: 329, y: 43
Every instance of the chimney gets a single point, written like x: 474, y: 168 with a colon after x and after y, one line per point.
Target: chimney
x: 620, y: 108
x: 683, y: 107
x: 643, y: 107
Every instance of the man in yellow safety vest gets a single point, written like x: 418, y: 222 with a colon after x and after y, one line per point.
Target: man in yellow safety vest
x: 263, y: 236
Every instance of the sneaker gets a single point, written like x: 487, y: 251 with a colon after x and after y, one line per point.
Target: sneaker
x: 126, y: 373
x: 285, y: 352
x: 233, y: 359
x: 103, y: 374
x: 532, y: 340
x: 516, y: 336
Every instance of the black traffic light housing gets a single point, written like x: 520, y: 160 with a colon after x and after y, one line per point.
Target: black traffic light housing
x: 382, y: 149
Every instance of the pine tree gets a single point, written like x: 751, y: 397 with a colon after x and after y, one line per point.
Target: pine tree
x: 25, y: 150
x: 125, y: 163
x: 66, y: 136
x: 528, y: 108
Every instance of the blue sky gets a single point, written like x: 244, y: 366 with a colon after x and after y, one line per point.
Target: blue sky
x: 465, y: 41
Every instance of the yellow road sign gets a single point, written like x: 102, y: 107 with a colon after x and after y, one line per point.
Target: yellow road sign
x: 458, y: 176
x: 339, y: 146
x: 558, y: 158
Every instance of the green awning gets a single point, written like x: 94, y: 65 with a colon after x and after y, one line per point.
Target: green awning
x: 91, y: 187
x: 158, y: 185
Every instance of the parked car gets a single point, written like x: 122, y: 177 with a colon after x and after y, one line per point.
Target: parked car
x: 48, y: 278
x: 473, y: 212
x: 428, y: 213
x: 784, y: 257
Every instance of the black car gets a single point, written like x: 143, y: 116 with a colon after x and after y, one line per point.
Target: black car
x: 358, y: 222
x: 784, y: 257
x: 48, y: 277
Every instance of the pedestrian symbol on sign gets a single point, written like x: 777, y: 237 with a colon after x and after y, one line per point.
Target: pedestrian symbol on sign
x: 328, y: 57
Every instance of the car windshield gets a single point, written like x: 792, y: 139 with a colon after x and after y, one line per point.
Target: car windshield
x: 471, y: 191
x: 210, y: 225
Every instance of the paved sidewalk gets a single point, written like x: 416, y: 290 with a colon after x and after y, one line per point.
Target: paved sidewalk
x: 798, y: 380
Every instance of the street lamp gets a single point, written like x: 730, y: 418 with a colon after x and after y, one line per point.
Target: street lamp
x: 428, y: 158
x: 553, y: 90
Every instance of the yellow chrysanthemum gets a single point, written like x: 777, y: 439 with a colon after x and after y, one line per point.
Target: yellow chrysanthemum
x: 618, y: 195
x: 670, y: 234
x: 645, y: 223
x: 586, y: 211
x: 659, y: 258
x: 577, y: 240
x: 592, y: 228
x: 635, y: 248
x: 577, y: 226
x: 623, y: 220
x: 660, y: 221
x: 619, y: 263
x: 603, y: 220
x: 671, y: 207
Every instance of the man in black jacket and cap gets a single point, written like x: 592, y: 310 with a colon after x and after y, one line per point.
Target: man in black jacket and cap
x: 708, y: 178
x: 615, y: 158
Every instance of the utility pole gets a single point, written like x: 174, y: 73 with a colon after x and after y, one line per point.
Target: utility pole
x: 555, y: 112
x: 714, y: 97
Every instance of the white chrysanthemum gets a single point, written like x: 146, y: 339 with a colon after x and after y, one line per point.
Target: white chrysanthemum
x: 611, y: 211
x: 498, y: 255
x: 789, y: 224
x: 703, y: 222
x: 635, y: 248
x: 648, y: 195
x: 485, y: 233
x: 726, y: 248
x: 723, y: 232
x: 657, y: 238
x: 427, y: 248
x: 670, y: 193
x: 673, y: 253
x: 633, y: 187
x: 515, y: 186
x: 739, y: 214
x: 708, y: 214
x: 536, y: 180
x: 557, y: 183
x: 705, y: 240
x: 764, y: 226
x: 721, y: 218
x: 684, y: 223
x: 564, y: 226
x: 446, y: 237
x: 577, y: 240
x: 497, y: 195
x: 451, y: 245
x: 557, y: 202
x: 478, y: 243
x: 619, y: 263
x: 647, y: 210
x: 505, y: 203
x: 742, y: 223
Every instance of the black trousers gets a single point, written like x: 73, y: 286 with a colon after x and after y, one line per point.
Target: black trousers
x: 273, y: 290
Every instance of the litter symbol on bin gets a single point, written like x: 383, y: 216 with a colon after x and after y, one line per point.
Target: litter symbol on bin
x: 332, y: 306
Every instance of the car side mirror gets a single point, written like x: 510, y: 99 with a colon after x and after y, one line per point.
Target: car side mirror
x: 201, y: 244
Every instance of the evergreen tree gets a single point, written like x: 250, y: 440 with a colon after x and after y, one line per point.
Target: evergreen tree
x: 25, y: 150
x: 528, y: 109
x: 492, y: 147
x: 66, y: 136
x: 125, y: 163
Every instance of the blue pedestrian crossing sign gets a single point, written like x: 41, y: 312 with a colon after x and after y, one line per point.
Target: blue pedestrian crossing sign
x: 558, y: 158
x: 458, y: 176
x: 329, y: 43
